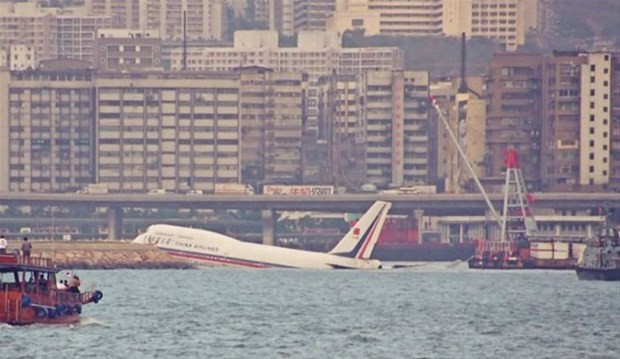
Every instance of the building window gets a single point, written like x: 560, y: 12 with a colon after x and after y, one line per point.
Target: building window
x: 592, y: 92
x: 591, y: 118
x: 592, y: 68
x: 592, y: 156
x: 591, y: 169
x: 591, y: 130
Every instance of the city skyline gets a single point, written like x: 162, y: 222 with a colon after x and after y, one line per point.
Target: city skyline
x: 91, y: 97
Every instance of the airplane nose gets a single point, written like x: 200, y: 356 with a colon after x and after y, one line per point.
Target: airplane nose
x: 140, y: 239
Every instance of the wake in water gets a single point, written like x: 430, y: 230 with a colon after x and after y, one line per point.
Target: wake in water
x: 89, y: 321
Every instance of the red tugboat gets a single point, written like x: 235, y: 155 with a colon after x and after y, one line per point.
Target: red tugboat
x: 29, y: 293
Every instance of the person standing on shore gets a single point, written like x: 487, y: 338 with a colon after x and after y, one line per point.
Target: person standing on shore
x: 26, y: 247
x: 3, y: 245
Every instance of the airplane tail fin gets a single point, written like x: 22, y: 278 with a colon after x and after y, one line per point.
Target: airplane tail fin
x: 362, y: 237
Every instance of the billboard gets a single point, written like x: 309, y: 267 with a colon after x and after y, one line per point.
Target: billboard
x: 294, y: 190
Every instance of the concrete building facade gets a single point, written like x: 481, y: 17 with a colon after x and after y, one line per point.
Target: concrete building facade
x: 396, y: 127
x: 595, y: 113
x: 311, y: 15
x: 561, y: 98
x: 76, y: 33
x: 124, y: 49
x: 28, y: 24
x: 388, y: 17
x: 506, y: 21
x: 168, y: 131
x: 514, y: 114
x: 124, y: 14
x: 46, y: 130
x: 317, y: 54
x: 271, y: 109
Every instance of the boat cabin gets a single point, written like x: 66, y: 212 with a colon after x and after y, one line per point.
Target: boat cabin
x: 30, y: 294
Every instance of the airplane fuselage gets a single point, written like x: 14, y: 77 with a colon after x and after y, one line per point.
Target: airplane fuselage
x: 208, y: 248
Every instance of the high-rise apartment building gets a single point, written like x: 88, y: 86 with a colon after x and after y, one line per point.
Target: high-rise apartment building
x: 124, y: 14
x: 579, y: 98
x: 311, y: 15
x: 396, y: 127
x: 28, y: 24
x: 614, y: 120
x: 575, y: 144
x: 261, y: 11
x: 76, y: 33
x: 506, y: 21
x: 389, y: 17
x: 270, y: 112
x: 561, y: 102
x: 340, y: 120
x: 282, y: 17
x: 51, y: 32
x: 317, y: 54
x: 514, y: 114
x: 204, y: 19
x: 595, y: 113
x: 174, y: 131
x: 46, y: 130
x: 122, y: 49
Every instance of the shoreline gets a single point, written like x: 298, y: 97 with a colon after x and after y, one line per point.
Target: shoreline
x: 96, y: 254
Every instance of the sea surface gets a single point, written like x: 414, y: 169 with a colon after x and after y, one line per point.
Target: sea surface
x: 435, y: 310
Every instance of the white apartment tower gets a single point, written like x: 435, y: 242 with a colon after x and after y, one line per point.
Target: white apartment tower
x: 595, y: 129
x: 396, y: 127
x: 506, y: 21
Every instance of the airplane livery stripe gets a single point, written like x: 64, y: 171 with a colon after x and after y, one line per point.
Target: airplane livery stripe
x: 220, y: 259
x: 362, y: 242
x: 367, y: 239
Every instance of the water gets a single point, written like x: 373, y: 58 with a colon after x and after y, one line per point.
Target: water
x: 427, y: 312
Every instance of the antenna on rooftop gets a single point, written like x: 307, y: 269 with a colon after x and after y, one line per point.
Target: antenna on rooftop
x: 463, y: 88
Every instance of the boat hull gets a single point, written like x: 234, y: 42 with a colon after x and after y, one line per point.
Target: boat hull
x: 425, y: 252
x: 598, y: 274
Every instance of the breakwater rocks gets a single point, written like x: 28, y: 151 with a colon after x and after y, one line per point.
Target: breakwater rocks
x: 103, y: 255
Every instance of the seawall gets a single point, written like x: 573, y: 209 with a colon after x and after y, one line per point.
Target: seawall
x: 102, y: 255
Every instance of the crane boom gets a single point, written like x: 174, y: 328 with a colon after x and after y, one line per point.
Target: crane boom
x: 467, y: 163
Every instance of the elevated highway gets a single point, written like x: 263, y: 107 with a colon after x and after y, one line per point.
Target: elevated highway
x: 442, y: 202
x: 432, y: 204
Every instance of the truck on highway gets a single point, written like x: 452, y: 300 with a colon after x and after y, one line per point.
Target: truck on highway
x: 233, y: 189
x: 421, y: 189
x: 94, y: 188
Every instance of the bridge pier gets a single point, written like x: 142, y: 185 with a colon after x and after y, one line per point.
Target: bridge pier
x: 269, y: 226
x: 418, y: 216
x: 115, y: 223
